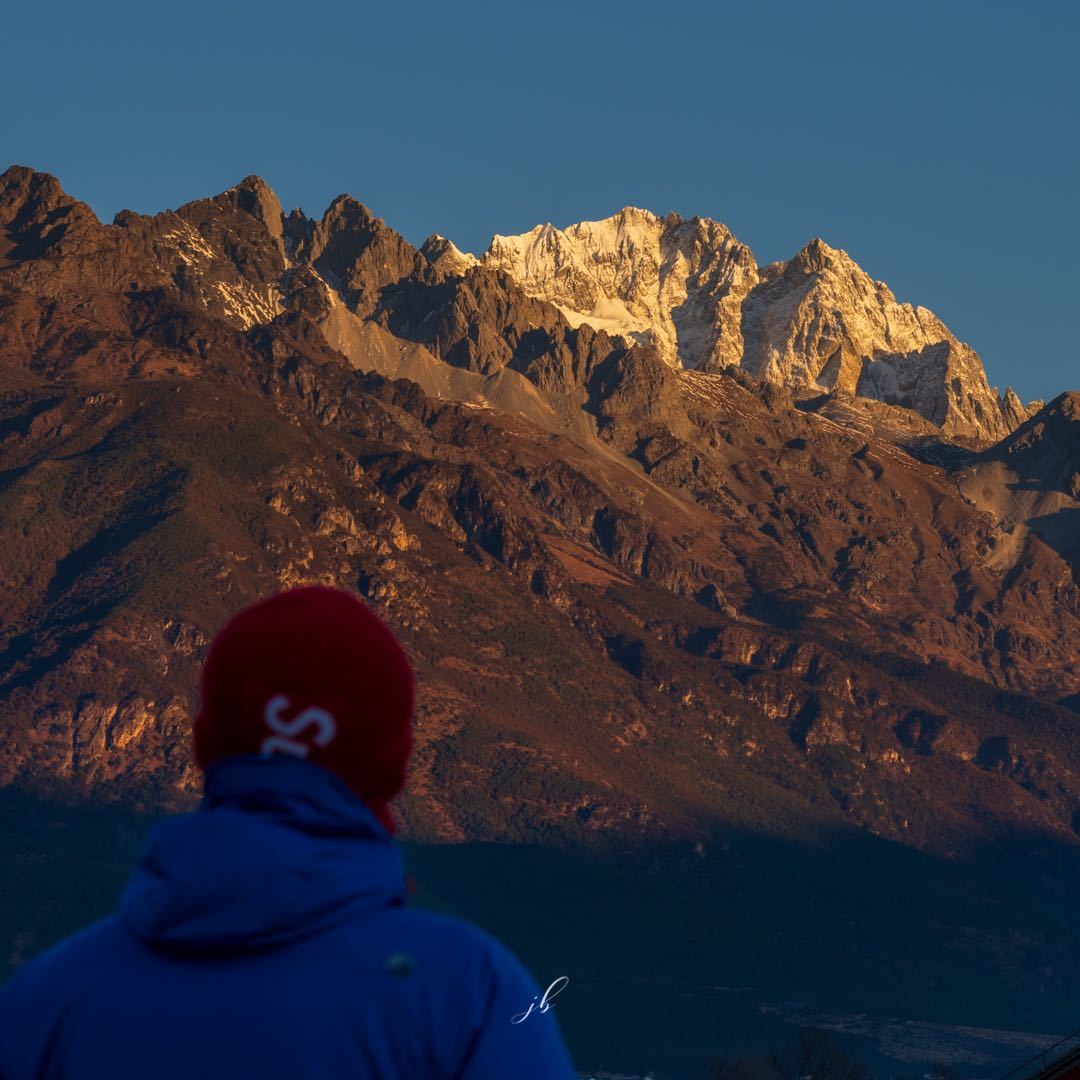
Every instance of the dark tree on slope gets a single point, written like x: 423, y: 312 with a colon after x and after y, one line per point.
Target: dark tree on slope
x: 810, y: 1054
x: 813, y: 1054
x: 754, y: 1068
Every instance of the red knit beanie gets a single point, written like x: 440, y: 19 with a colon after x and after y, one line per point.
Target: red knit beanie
x: 314, y: 673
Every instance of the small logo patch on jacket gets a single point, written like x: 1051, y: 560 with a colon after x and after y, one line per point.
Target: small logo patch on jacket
x: 401, y: 963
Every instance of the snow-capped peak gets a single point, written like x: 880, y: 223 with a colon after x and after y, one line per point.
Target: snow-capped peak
x: 637, y: 275
x: 694, y: 292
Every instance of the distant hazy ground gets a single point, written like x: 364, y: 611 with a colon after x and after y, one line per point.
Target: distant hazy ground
x: 672, y: 960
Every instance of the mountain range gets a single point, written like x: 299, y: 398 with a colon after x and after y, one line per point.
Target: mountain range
x: 686, y: 549
x: 692, y: 291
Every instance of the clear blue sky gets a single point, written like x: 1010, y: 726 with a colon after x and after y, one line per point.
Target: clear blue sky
x: 936, y: 143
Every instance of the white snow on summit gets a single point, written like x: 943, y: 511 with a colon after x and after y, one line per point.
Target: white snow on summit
x: 660, y: 281
x: 690, y: 289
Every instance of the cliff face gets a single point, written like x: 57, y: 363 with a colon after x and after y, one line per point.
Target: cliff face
x: 694, y: 292
x: 820, y: 320
x: 641, y: 595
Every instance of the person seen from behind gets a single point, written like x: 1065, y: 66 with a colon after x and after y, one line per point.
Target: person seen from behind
x: 267, y: 934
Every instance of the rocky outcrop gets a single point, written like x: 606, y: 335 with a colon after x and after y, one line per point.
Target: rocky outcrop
x: 357, y: 254
x: 1031, y: 480
x: 444, y: 255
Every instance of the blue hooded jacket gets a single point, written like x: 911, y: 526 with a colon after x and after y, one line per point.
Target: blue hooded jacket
x: 266, y: 935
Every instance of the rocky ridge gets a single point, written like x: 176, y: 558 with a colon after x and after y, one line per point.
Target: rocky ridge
x: 688, y: 288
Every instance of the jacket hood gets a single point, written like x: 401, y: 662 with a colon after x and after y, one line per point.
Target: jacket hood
x: 278, y: 850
